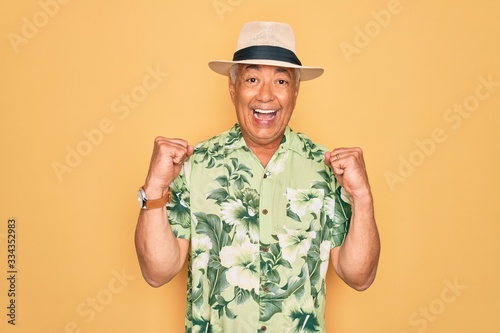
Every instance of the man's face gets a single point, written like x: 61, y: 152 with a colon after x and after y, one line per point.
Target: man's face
x: 264, y: 98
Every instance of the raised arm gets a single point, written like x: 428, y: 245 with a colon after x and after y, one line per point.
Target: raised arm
x: 161, y: 255
x: 356, y: 261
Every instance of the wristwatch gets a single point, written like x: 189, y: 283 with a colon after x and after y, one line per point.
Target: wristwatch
x: 145, y: 203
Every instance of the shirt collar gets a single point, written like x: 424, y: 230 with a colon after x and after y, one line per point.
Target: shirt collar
x: 290, y: 141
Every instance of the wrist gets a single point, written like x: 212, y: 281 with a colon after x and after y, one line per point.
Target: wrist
x: 154, y: 192
x: 362, y: 202
x: 152, y: 202
x: 155, y: 187
x: 362, y: 194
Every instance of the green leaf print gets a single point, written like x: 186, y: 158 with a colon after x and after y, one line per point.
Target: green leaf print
x: 211, y: 226
x: 272, y: 302
x: 313, y: 263
x: 345, y: 207
x: 236, y: 172
x: 197, y: 293
x: 300, y: 316
x: 179, y: 209
x: 241, y: 295
x: 219, y: 195
x: 211, y: 151
x: 217, y: 279
x: 291, y: 214
x: 222, y: 180
x: 314, y: 153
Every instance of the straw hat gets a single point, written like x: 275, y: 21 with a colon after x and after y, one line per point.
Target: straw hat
x: 266, y: 43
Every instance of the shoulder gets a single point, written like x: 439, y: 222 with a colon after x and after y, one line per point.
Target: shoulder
x: 211, y: 152
x: 301, y: 143
x: 223, y: 140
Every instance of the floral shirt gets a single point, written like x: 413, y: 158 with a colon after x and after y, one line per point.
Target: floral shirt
x: 260, y: 237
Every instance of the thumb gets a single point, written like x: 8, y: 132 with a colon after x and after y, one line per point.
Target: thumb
x: 328, y: 161
x: 190, y: 150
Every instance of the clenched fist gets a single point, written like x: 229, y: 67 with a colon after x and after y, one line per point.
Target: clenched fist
x: 166, y: 163
x: 348, y: 165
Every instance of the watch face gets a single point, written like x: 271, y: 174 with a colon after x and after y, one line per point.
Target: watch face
x: 141, y: 197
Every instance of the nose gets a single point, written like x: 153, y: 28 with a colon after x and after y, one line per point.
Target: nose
x: 265, y: 93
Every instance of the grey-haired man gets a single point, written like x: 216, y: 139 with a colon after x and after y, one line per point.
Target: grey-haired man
x: 259, y: 210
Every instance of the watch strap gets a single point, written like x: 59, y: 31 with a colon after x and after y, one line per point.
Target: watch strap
x: 158, y: 203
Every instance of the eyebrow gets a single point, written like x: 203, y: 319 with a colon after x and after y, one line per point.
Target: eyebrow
x: 256, y: 67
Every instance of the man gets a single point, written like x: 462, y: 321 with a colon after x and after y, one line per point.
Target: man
x: 259, y: 210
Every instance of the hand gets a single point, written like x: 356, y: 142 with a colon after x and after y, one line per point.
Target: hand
x: 166, y: 163
x: 349, y: 168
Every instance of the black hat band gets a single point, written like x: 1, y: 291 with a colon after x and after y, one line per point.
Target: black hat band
x: 267, y: 52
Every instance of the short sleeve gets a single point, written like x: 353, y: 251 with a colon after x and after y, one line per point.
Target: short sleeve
x: 338, y: 213
x: 179, y: 208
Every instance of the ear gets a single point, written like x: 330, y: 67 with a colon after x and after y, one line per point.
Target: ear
x: 232, y: 89
x: 297, y: 89
x: 296, y: 94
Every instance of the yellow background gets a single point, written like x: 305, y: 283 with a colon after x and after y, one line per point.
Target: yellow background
x: 438, y: 221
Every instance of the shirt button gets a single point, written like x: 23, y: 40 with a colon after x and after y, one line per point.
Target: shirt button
x: 263, y: 328
x: 267, y: 175
x: 265, y: 249
x: 265, y: 211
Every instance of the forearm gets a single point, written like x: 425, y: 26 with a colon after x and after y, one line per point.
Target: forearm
x: 357, y: 259
x: 161, y: 255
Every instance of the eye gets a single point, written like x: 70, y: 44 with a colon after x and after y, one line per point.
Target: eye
x: 252, y: 80
x: 282, y: 82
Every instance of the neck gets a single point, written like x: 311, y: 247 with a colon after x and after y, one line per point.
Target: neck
x: 264, y: 155
x: 263, y: 150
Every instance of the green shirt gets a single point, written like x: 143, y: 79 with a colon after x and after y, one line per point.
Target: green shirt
x: 260, y: 237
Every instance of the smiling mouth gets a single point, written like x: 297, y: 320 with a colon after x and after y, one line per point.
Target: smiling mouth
x: 264, y: 114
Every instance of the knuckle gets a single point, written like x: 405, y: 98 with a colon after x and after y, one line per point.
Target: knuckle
x: 159, y: 139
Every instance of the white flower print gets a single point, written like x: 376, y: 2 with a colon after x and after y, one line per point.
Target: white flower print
x: 295, y: 242
x: 242, y: 214
x: 300, y: 316
x: 330, y: 208
x: 201, y: 247
x: 324, y: 256
x: 302, y: 201
x: 344, y: 196
x: 233, y: 211
x: 242, y: 264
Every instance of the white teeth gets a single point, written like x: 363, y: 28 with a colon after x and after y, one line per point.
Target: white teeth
x: 264, y: 111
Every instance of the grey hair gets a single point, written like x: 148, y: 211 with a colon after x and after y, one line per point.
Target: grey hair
x: 233, y: 73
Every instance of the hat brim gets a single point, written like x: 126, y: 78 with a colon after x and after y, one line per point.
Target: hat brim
x: 306, y: 73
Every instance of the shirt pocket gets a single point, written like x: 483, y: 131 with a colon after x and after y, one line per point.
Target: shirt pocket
x: 303, y: 208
